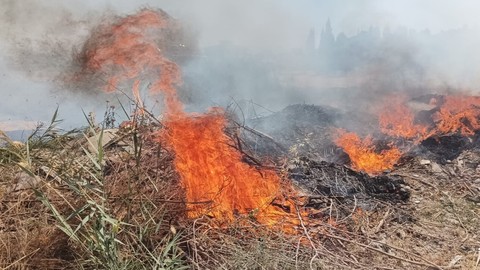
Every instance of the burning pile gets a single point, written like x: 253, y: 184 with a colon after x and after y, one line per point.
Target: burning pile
x: 458, y: 114
x: 215, y: 180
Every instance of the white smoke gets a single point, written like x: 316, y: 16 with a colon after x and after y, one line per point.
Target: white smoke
x: 249, y: 50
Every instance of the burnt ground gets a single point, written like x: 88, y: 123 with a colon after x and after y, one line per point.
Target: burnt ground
x: 426, y: 212
x: 427, y: 209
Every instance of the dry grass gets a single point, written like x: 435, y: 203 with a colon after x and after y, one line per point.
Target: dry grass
x: 65, y: 204
x: 446, y: 223
x: 68, y: 203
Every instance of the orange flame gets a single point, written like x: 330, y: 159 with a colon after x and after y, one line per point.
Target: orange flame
x: 458, y: 114
x: 397, y: 120
x: 363, y: 155
x: 216, y: 181
x: 126, y: 51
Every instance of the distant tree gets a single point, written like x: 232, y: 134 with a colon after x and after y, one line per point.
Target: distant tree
x: 326, y: 47
x: 310, y: 43
x: 327, y: 39
x: 343, y: 56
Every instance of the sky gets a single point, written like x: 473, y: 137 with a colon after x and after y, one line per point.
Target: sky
x: 257, y: 24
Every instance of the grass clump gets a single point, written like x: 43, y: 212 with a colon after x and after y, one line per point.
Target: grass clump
x: 90, y: 207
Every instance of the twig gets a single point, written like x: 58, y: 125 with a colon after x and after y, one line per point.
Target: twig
x: 353, y: 210
x: 261, y: 134
x: 427, y: 264
x: 380, y: 224
x: 240, y: 149
x: 308, y: 237
x: 254, y: 103
x: 331, y: 209
x: 478, y: 258
x: 241, y: 110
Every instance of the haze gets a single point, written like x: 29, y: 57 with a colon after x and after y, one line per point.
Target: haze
x: 270, y: 28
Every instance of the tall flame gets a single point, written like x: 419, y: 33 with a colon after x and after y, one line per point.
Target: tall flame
x: 216, y: 181
x: 126, y: 52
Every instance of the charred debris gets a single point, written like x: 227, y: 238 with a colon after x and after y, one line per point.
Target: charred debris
x: 305, y: 134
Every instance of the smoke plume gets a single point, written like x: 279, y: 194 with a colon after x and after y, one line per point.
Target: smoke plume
x: 271, y: 53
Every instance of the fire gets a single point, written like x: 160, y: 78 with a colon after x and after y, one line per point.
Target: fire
x: 396, y: 119
x: 126, y: 52
x: 363, y: 155
x: 217, y: 183
x: 215, y: 180
x: 458, y: 114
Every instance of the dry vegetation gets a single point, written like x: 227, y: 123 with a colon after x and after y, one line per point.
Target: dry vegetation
x: 97, y: 198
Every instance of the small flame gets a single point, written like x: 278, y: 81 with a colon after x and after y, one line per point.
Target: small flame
x: 363, y: 155
x: 456, y: 114
x: 397, y: 120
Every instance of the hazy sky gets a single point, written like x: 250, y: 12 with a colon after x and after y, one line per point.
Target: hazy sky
x: 268, y: 21
x: 278, y: 24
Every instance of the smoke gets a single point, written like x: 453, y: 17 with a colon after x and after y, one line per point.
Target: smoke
x: 45, y: 44
x: 253, y: 52
x: 39, y: 36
